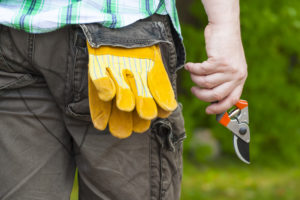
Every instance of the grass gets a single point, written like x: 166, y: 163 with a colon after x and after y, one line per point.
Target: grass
x: 74, y: 194
x: 236, y: 181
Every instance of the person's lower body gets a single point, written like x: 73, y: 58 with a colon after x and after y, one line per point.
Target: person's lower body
x: 46, y: 131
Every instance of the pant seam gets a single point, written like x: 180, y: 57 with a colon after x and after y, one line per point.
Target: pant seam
x: 150, y: 166
x: 82, y: 140
x: 45, y: 127
x: 160, y: 174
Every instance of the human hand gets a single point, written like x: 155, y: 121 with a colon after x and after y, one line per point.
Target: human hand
x: 222, y: 76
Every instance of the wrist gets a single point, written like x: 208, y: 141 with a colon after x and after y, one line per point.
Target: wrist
x: 222, y: 12
x: 229, y: 29
x: 235, y: 24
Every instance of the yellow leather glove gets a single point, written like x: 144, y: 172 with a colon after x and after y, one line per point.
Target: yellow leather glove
x: 121, y: 123
x: 137, y: 79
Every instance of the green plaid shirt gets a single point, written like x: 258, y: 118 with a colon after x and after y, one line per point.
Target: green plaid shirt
x: 39, y: 16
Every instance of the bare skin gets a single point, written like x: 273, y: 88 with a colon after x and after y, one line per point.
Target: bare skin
x: 222, y: 76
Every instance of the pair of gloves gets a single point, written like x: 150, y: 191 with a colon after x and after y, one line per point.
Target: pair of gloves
x: 128, y: 88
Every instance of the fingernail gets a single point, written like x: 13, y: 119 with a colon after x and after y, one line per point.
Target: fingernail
x: 209, y: 111
x: 186, y: 67
x: 192, y: 90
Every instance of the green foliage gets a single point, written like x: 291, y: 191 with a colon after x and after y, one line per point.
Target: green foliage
x: 270, y: 32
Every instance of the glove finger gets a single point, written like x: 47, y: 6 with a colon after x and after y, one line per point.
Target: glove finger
x: 163, y: 113
x: 159, y: 83
x: 124, y: 97
x: 145, y: 104
x: 100, y: 110
x: 120, y: 122
x: 140, y: 125
x: 99, y: 75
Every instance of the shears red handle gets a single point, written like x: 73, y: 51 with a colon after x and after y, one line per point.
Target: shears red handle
x: 237, y: 121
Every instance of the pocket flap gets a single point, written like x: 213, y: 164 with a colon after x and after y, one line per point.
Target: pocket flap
x: 135, y: 35
x: 177, y: 121
x: 79, y: 110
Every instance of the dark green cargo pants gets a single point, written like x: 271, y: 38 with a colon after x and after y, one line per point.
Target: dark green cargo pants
x: 46, y: 130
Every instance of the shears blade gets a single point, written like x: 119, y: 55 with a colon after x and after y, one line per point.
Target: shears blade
x: 241, y: 149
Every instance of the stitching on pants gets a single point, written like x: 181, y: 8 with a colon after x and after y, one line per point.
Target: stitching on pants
x: 160, y: 173
x: 67, y: 76
x: 25, y: 77
x: 2, y: 58
x: 31, y: 38
x: 150, y: 166
x: 46, y: 128
x: 72, y: 78
x: 83, y: 140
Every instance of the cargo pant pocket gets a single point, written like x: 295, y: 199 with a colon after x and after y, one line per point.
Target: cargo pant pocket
x: 140, y: 34
x: 167, y: 137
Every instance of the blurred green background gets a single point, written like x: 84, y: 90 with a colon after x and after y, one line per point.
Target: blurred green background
x: 271, y: 38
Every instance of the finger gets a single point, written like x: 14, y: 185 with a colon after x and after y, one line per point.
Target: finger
x: 163, y: 113
x: 120, y: 122
x: 103, y: 83
x: 203, y: 68
x: 124, y: 96
x: 216, y: 94
x: 145, y: 104
x: 210, y: 81
x: 225, y: 104
x: 140, y: 125
x: 100, y: 110
x: 160, y: 85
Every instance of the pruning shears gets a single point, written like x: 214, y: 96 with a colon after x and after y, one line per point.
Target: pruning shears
x: 237, y: 121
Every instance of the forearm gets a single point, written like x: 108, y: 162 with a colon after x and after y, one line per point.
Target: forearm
x: 221, y: 12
